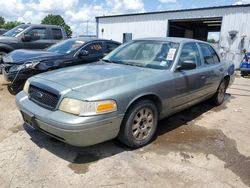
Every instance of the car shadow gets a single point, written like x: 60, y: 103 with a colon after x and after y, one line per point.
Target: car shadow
x: 83, y: 156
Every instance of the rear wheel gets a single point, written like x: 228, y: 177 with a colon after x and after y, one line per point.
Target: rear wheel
x: 219, y: 96
x: 139, y: 124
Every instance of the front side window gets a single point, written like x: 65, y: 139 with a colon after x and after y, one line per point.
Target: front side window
x: 190, y: 52
x: 149, y: 54
x: 208, y: 55
x: 38, y: 34
x: 94, y: 48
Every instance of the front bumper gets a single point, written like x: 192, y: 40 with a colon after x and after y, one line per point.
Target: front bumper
x: 71, y: 129
x: 9, y: 76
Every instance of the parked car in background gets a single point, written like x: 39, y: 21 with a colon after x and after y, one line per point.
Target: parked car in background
x: 19, y: 65
x: 125, y: 94
x: 2, y: 31
x: 29, y: 36
x: 245, y: 65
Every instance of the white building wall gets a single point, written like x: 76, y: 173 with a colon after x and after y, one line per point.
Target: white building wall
x: 138, y: 28
x: 156, y: 25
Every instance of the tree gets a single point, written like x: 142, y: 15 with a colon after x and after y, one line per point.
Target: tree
x: 57, y: 20
x: 2, y: 21
x: 11, y: 24
x: 211, y: 41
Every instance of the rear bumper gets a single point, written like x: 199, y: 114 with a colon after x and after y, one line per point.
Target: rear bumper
x: 71, y: 129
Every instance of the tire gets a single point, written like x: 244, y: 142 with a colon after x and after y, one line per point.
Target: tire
x: 219, y: 96
x: 243, y: 74
x: 139, y: 124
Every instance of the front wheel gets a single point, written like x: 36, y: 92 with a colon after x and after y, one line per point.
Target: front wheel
x: 219, y: 96
x: 139, y: 124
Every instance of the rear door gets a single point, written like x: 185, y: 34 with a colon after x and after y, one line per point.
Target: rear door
x: 109, y: 47
x: 189, y: 84
x: 39, y: 38
x: 213, y: 66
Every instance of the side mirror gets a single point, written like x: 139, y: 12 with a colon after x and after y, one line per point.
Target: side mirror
x: 26, y: 38
x: 187, y: 65
x: 83, y: 53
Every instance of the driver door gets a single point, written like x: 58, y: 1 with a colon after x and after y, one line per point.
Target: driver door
x: 39, y: 39
x: 188, y: 84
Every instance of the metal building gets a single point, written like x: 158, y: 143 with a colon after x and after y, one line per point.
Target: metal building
x: 233, y: 23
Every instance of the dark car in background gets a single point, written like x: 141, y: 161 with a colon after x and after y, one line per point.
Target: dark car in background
x: 27, y: 36
x: 21, y: 64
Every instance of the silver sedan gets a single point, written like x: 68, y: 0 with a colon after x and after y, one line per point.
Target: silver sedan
x: 125, y: 95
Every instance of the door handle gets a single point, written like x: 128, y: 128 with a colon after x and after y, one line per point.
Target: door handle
x: 221, y: 69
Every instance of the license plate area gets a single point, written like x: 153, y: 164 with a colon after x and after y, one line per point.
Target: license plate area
x: 29, y: 119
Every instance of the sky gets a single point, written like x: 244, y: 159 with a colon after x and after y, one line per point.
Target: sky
x: 77, y: 13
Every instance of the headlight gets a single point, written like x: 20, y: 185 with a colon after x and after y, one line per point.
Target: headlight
x: 87, y: 108
x: 31, y: 64
x: 26, y: 87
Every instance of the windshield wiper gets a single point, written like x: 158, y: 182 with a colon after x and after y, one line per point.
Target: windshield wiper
x: 109, y: 61
x: 134, y: 64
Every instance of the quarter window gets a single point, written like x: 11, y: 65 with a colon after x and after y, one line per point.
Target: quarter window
x: 190, y: 53
x: 94, y: 48
x: 57, y: 34
x: 38, y: 34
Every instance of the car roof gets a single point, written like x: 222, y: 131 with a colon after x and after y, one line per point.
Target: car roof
x: 92, y: 39
x: 39, y: 25
x: 170, y: 39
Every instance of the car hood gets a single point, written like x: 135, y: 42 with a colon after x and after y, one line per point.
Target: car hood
x: 6, y: 40
x: 93, y: 79
x: 21, y: 56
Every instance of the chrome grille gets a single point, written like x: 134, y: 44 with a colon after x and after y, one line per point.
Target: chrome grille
x: 43, y: 97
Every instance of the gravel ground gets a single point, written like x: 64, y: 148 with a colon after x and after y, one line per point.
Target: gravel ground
x: 204, y: 146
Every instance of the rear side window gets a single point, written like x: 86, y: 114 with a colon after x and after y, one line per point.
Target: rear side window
x: 110, y: 46
x: 190, y: 52
x: 38, y: 34
x: 94, y: 48
x: 57, y: 34
x: 209, y: 54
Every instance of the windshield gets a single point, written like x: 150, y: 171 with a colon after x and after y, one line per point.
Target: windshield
x: 150, y: 54
x: 67, y: 46
x: 15, y: 31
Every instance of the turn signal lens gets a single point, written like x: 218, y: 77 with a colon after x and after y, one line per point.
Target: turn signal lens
x: 107, y: 106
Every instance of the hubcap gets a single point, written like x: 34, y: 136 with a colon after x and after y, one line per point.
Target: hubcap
x: 221, y: 92
x: 142, y: 123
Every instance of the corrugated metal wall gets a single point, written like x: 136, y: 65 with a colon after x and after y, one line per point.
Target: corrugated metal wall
x: 156, y: 25
x: 232, y: 48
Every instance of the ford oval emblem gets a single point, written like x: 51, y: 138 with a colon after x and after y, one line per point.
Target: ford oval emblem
x: 39, y: 95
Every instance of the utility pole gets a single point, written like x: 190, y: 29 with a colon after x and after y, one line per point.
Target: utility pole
x: 87, y: 28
